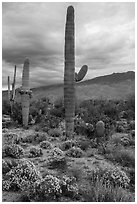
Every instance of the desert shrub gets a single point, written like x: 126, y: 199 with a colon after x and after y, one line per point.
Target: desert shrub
x: 41, y: 137
x: 126, y: 157
x: 51, y: 121
x: 57, y: 158
x: 51, y: 188
x: 75, y: 152
x: 35, y: 152
x: 35, y: 137
x: 99, y: 192
x: 69, y: 186
x: 131, y: 173
x: 24, y: 174
x: 45, y: 145
x: 67, y: 145
x: 84, y: 143
x: 58, y: 110
x: 132, y: 125
x: 123, y: 139
x: 6, y: 109
x: 46, y: 189
x: 55, y: 132
x: 5, y: 167
x: 77, y: 173
x: 83, y: 128
x: 13, y: 150
x: 17, y: 112
x: 11, y: 138
x: 114, y: 177
x: 41, y: 104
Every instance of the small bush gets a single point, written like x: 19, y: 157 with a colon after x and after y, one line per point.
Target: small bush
x: 35, y: 138
x: 51, y: 188
x: 55, y: 132
x: 123, y: 139
x: 35, y: 152
x: 11, y: 138
x: 5, y: 167
x: 84, y: 144
x: 24, y: 174
x: 67, y: 145
x: 46, y: 189
x: 45, y: 145
x: 57, y: 159
x: 114, y: 177
x: 75, y: 152
x: 126, y: 157
x: 99, y: 192
x: 69, y: 186
x: 13, y: 150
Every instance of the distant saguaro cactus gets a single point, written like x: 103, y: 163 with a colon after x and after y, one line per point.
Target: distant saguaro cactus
x: 25, y: 93
x: 11, y: 95
x: 70, y: 77
x: 100, y: 128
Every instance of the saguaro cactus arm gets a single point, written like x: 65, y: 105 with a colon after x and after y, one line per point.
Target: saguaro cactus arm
x: 81, y: 74
x: 69, y: 73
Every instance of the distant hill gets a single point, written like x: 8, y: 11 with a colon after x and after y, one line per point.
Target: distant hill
x: 113, y: 86
x: 112, y: 78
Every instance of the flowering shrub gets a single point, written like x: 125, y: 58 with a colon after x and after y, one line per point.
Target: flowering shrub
x: 69, y: 186
x: 57, y: 158
x: 5, y: 167
x: 115, y: 177
x: 13, y: 150
x: 35, y: 152
x: 75, y: 152
x: 55, y: 132
x: 35, y: 138
x: 120, y: 138
x: 51, y: 188
x: 67, y: 145
x: 45, y: 189
x: 24, y: 174
x: 45, y: 145
x: 11, y: 138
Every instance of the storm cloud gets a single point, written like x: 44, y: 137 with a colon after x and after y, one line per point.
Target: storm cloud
x: 104, y: 39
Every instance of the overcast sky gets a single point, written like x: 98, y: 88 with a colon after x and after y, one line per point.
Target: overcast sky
x: 104, y: 39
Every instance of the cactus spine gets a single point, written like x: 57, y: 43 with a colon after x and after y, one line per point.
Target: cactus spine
x: 25, y: 93
x: 70, y: 77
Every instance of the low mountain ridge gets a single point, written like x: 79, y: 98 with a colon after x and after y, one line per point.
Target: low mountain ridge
x: 113, y: 86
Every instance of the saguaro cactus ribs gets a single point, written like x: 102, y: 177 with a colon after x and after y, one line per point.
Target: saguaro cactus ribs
x: 25, y: 93
x: 69, y: 74
x: 70, y: 77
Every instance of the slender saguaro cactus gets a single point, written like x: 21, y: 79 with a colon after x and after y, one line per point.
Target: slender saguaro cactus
x: 9, y: 88
x: 69, y: 74
x: 13, y: 84
x: 11, y: 95
x: 70, y: 77
x: 25, y: 93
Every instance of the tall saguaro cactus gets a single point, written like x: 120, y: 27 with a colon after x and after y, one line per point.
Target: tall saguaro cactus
x: 70, y: 77
x: 69, y: 74
x: 25, y: 93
